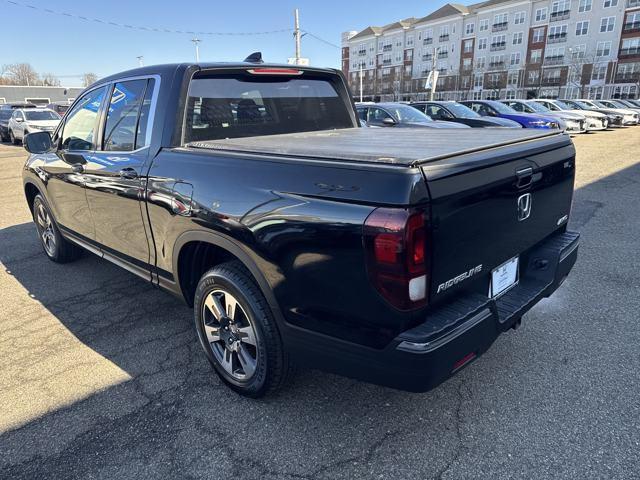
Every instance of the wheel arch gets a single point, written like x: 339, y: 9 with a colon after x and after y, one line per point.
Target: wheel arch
x: 224, y: 249
x: 30, y: 192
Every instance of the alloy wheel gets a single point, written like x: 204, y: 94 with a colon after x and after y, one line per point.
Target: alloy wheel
x: 230, y: 334
x: 45, y: 227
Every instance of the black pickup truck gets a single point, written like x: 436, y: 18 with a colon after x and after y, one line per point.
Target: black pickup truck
x: 250, y: 191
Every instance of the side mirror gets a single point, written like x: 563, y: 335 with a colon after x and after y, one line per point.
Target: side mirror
x: 37, y: 142
x: 388, y: 122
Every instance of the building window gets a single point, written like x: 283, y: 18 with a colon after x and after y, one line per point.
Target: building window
x: 519, y: 17
x: 500, y: 18
x: 610, y: 3
x: 468, y: 46
x: 578, y: 51
x: 466, y: 63
x: 478, y: 80
x: 512, y: 78
x: 515, y: 59
x: 511, y: 94
x: 604, y: 49
x: 582, y: 28
x: 584, y: 6
x: 483, y: 24
x: 533, y: 77
x: 607, y: 24
x: 518, y: 38
x: 599, y: 72
x: 536, y: 56
x: 538, y: 35
x: 469, y: 28
x: 409, y: 40
x: 480, y: 62
x: 541, y: 14
x: 482, y: 43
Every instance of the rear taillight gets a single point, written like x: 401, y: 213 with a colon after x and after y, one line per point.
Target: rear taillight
x: 395, y: 241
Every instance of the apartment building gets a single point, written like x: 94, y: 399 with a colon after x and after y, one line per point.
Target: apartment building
x: 501, y: 49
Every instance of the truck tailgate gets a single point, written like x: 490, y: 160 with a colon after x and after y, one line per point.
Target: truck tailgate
x: 479, y: 208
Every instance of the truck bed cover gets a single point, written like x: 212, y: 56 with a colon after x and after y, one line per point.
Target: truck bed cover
x: 403, y: 147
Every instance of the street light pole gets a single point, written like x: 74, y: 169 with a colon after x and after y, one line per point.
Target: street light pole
x: 196, y: 41
x: 140, y: 60
x: 360, y: 82
x: 433, y: 73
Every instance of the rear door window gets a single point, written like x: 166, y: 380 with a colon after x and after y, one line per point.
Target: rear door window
x: 244, y: 105
x: 122, y: 126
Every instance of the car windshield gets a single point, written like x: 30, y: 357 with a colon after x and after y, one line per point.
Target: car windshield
x: 41, y: 115
x: 585, y: 105
x: 605, y: 104
x: 502, y: 108
x: 536, y: 107
x: 462, y: 111
x: 562, y: 105
x: 5, y: 114
x: 407, y: 114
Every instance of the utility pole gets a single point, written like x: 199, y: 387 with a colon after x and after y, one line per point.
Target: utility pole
x: 196, y: 41
x: 296, y: 34
x: 433, y: 73
x: 140, y: 60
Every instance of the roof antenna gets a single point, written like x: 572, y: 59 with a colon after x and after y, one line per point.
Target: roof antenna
x: 255, y: 57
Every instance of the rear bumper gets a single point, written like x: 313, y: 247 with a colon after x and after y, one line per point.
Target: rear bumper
x: 452, y: 336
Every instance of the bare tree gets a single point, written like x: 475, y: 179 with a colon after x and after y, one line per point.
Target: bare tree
x: 89, y: 78
x: 20, y: 74
x: 576, y: 78
x: 50, y: 80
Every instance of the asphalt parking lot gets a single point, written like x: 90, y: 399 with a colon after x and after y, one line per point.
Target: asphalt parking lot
x: 101, y: 375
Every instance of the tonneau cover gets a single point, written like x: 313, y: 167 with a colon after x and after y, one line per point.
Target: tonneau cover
x: 400, y: 146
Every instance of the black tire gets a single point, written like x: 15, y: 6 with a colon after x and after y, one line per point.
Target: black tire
x: 272, y: 366
x: 12, y: 138
x: 57, y: 249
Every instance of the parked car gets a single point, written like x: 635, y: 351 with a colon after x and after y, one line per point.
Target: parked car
x: 14, y: 105
x: 575, y: 123
x: 615, y: 118
x: 399, y: 115
x: 493, y: 108
x: 628, y: 103
x: 59, y: 107
x: 5, y: 115
x: 629, y: 117
x: 456, y: 112
x: 619, y: 104
x: 633, y: 102
x: 29, y: 120
x: 395, y: 256
x: 594, y: 120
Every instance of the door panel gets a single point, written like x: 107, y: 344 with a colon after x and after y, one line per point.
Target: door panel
x: 65, y: 168
x: 114, y: 174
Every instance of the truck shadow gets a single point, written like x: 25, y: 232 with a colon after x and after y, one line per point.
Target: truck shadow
x: 174, y: 406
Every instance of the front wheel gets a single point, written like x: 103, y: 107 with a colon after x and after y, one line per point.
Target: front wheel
x: 237, y: 330
x: 55, y: 246
x: 12, y: 138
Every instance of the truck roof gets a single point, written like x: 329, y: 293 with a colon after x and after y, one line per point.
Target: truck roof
x: 403, y: 147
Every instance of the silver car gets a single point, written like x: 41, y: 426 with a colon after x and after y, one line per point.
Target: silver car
x: 595, y: 120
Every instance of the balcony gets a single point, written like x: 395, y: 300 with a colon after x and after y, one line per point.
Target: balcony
x: 386, y: 61
x: 558, y: 16
x: 554, y: 60
x: 629, y: 52
x: 496, y: 65
x: 427, y: 57
x: 444, y: 54
x: 387, y: 48
x: 627, y: 77
x: 362, y: 53
x: 633, y: 3
x: 427, y: 41
x: 499, y: 27
x: 498, y: 46
x: 551, y: 81
x: 444, y: 37
x: 631, y: 27
x: 557, y: 37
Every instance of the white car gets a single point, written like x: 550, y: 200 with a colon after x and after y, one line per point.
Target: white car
x: 629, y: 117
x: 595, y: 120
x: 29, y: 120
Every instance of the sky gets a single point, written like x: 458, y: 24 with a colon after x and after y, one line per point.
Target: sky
x: 68, y: 46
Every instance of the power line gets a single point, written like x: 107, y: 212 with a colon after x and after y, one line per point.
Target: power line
x: 138, y: 27
x: 321, y: 39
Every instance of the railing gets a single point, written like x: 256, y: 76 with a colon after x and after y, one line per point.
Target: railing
x: 631, y: 27
x: 554, y: 59
x: 427, y: 41
x: 427, y: 57
x: 630, y: 51
x: 444, y: 54
x: 387, y: 48
x: 386, y: 62
x: 633, y: 3
x: 499, y: 27
x: 444, y: 37
x: 551, y: 81
x: 362, y: 53
x: 557, y: 37
x: 496, y: 64
x: 557, y: 16
x: 498, y: 46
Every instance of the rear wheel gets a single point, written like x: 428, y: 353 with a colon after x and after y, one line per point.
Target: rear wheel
x: 237, y: 330
x: 12, y: 138
x: 57, y: 248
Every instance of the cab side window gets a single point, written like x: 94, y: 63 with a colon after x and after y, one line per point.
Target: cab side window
x: 362, y: 113
x: 518, y: 107
x: 378, y: 115
x: 79, y: 131
x: 122, y: 127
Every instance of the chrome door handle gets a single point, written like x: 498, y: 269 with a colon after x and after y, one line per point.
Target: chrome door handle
x: 128, y: 173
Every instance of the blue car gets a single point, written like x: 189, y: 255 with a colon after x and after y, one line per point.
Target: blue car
x: 492, y: 108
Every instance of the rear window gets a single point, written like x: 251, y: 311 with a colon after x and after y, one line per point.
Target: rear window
x: 5, y: 114
x: 41, y: 115
x: 246, y: 105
